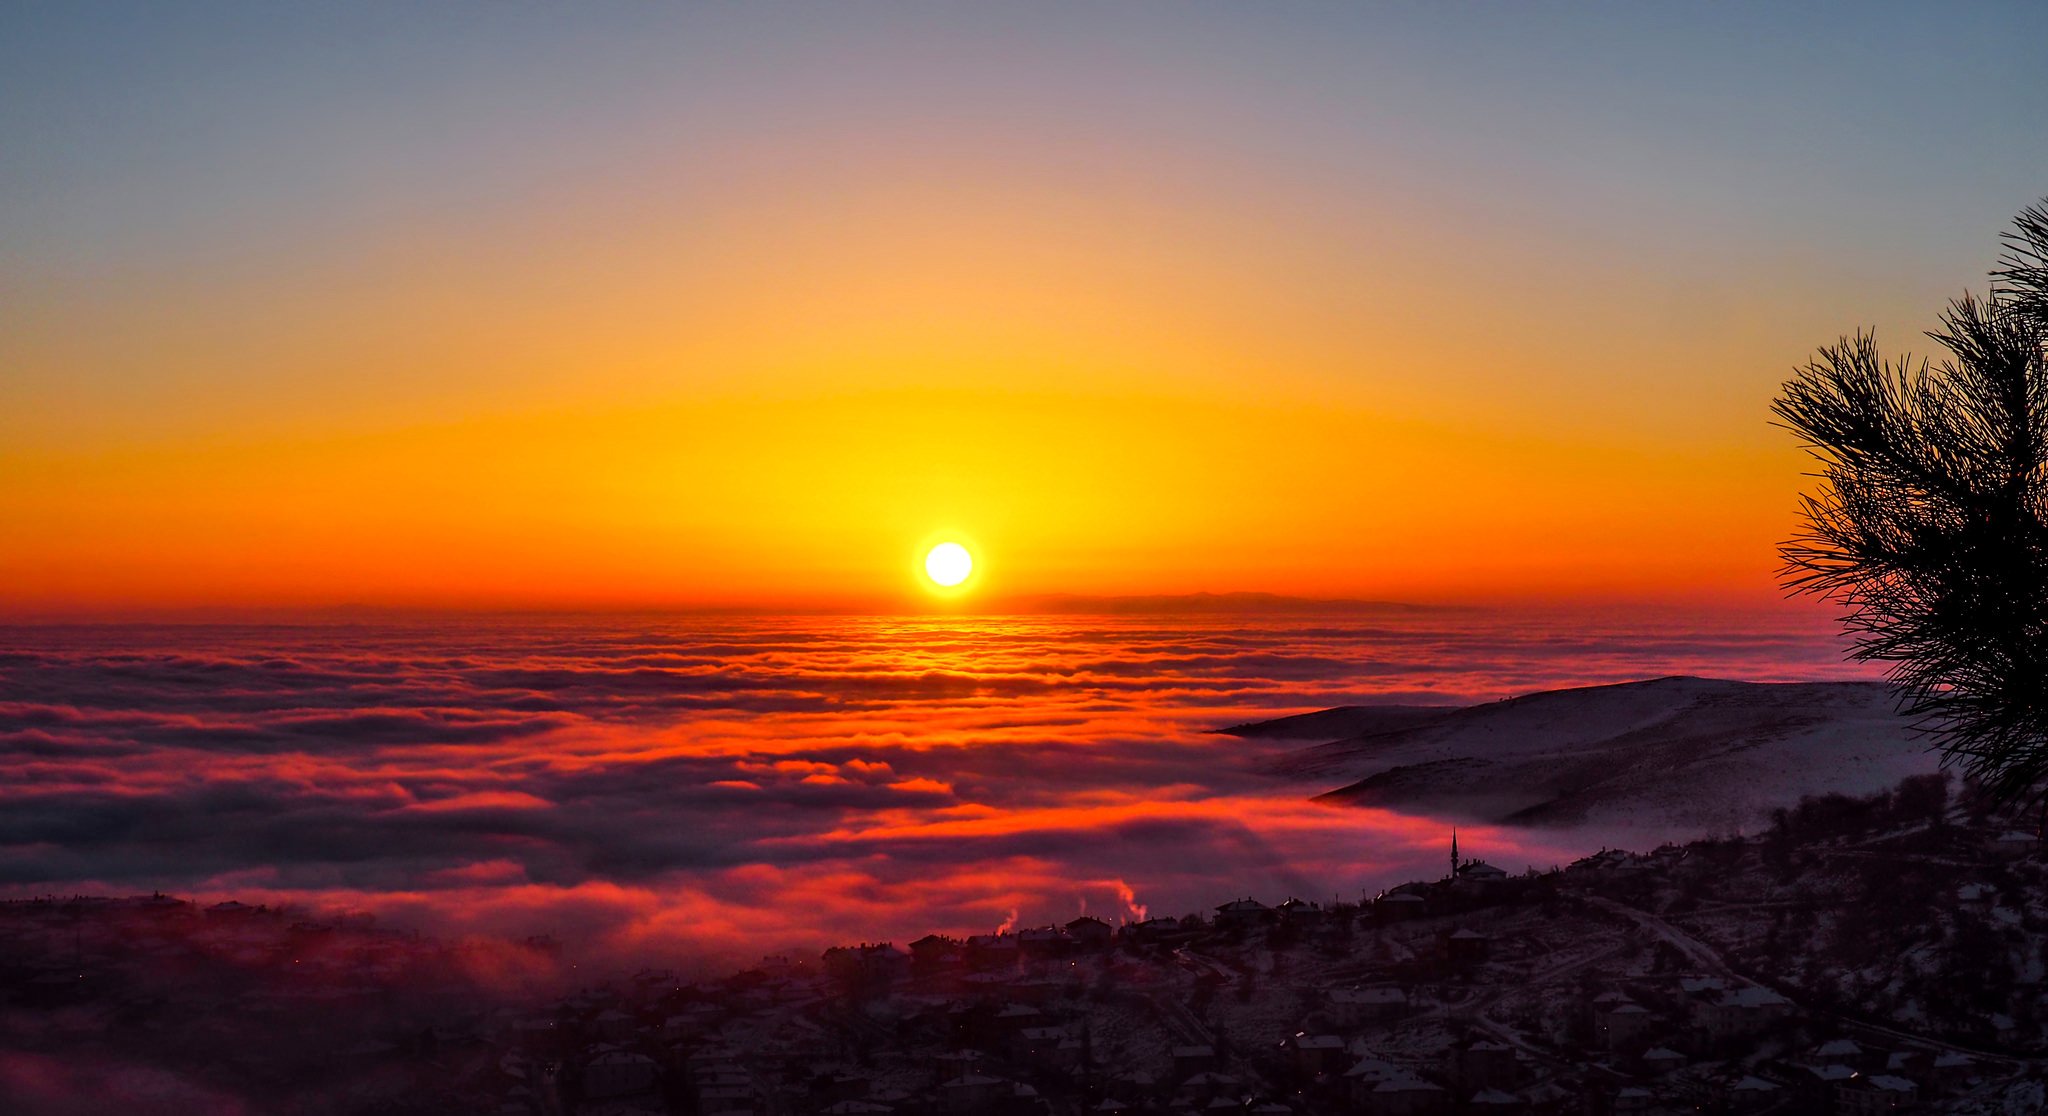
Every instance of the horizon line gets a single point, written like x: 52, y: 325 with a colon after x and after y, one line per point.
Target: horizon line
x: 1201, y: 603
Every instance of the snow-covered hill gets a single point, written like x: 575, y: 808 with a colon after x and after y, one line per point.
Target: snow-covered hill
x: 1686, y: 752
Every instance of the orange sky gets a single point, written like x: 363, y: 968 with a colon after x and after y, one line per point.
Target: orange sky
x: 538, y: 331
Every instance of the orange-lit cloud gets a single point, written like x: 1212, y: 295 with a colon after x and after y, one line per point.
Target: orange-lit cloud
x: 829, y: 776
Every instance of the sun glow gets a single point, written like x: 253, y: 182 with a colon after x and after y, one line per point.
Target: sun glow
x: 948, y: 564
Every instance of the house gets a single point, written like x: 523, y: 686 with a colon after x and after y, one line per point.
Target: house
x: 1484, y: 1064
x: 1300, y: 912
x: 1480, y: 872
x: 1606, y: 860
x: 1875, y: 1094
x: 1622, y: 1025
x: 619, y: 1073
x: 1695, y: 985
x: 613, y: 1025
x: 1465, y: 946
x: 1748, y: 1094
x: 1816, y: 1084
x: 1632, y: 1099
x: 831, y: 1088
x: 1495, y: 1102
x: 1194, y: 1059
x: 1088, y: 932
x: 1040, y: 1044
x: 1742, y: 1012
x: 1012, y: 1019
x: 1407, y: 1095
x: 1400, y: 905
x: 869, y: 961
x: 1951, y: 1071
x: 1845, y: 1051
x: 933, y: 951
x: 957, y: 1063
x: 1367, y: 1074
x: 1912, y: 1064
x: 972, y: 1093
x: 1208, y: 1086
x: 1154, y: 930
x: 1043, y: 941
x: 1243, y: 914
x: 1660, y: 1060
x: 1315, y: 1055
x: 1353, y: 1007
x: 992, y: 951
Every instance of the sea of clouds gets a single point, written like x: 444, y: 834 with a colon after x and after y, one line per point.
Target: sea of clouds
x: 710, y: 789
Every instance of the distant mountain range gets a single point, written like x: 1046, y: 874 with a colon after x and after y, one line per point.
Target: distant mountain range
x: 1695, y: 752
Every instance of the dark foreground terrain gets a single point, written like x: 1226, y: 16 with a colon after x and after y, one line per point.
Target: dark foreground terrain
x: 1862, y: 955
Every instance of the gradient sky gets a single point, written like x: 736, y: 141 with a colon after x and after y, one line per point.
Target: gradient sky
x: 632, y: 304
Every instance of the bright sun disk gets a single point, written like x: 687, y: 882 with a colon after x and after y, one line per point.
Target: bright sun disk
x: 948, y: 564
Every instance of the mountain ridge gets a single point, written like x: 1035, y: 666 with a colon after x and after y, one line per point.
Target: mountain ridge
x: 1695, y: 752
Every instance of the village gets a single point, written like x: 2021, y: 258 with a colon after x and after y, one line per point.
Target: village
x: 1860, y: 956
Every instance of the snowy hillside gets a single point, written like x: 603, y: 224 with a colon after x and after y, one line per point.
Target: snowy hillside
x: 1691, y: 752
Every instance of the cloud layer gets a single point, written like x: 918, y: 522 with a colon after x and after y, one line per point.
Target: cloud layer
x: 712, y: 788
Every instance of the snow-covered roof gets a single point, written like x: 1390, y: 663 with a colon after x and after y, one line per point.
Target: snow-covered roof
x: 1374, y: 1069
x: 1369, y: 996
x: 1406, y: 1083
x: 1753, y: 996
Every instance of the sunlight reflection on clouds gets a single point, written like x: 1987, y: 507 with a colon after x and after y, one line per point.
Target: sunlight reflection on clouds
x: 717, y: 787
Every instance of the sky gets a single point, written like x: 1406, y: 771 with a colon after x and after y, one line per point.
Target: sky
x: 746, y: 305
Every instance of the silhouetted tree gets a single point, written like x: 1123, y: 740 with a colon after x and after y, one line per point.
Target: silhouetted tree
x: 1928, y: 526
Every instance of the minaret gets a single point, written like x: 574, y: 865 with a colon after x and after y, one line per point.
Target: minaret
x: 1454, y: 852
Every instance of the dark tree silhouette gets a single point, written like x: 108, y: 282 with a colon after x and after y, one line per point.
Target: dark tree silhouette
x: 1928, y: 525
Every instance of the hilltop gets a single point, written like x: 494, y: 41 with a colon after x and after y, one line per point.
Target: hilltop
x: 1707, y: 754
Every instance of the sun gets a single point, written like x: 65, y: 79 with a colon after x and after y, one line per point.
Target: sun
x: 948, y: 564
